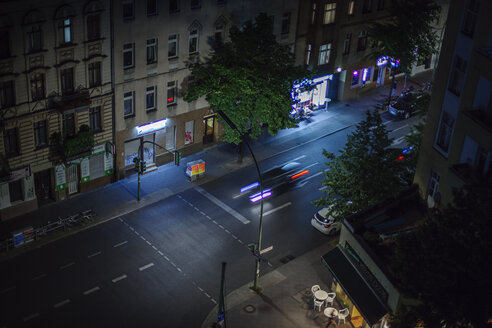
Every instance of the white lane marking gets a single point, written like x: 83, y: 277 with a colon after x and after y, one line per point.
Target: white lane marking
x: 148, y: 242
x: 221, y: 226
x: 222, y: 205
x: 238, y: 195
x: 8, y: 289
x: 160, y: 252
x: 57, y: 305
x: 266, y: 250
x: 387, y: 122
x: 39, y: 277
x: 119, y: 278
x: 167, y: 258
x: 155, y: 248
x: 119, y: 244
x: 277, y: 209
x: 92, y: 290
x: 293, y: 160
x: 323, y: 188
x: 401, y: 127
x: 213, y: 300
x: 29, y: 317
x: 95, y: 254
x: 146, y: 266
x: 67, y: 265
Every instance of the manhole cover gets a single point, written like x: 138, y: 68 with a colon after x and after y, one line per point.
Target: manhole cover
x: 249, y: 309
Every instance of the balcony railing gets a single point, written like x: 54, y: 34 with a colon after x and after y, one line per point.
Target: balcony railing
x: 80, y: 97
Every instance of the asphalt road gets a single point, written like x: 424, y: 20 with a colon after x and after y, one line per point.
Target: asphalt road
x: 160, y: 266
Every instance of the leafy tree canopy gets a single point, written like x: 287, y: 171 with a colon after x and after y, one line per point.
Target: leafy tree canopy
x: 249, y: 79
x: 408, y: 33
x: 365, y: 172
x: 445, y: 264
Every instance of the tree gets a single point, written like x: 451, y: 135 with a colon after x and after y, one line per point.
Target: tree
x: 364, y: 173
x: 451, y: 251
x: 250, y: 79
x: 408, y: 34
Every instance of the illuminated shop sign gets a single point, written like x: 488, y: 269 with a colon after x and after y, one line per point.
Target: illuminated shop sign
x: 382, y: 61
x: 154, y: 126
x: 323, y: 78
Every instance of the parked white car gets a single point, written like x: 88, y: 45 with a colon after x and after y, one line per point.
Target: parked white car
x: 325, y: 223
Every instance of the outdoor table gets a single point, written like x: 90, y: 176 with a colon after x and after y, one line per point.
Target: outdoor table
x: 330, y: 312
x: 321, y: 295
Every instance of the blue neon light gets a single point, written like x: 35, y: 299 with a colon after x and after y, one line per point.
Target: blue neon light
x: 249, y: 187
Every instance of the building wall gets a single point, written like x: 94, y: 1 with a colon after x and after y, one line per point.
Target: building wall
x: 470, y: 132
x: 137, y: 79
x: 50, y: 59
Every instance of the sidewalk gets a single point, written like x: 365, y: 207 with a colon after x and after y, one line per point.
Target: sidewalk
x: 286, y: 297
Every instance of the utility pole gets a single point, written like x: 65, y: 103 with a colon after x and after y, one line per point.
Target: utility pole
x: 221, y: 322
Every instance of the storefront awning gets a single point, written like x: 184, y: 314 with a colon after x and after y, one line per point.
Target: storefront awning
x: 354, y: 286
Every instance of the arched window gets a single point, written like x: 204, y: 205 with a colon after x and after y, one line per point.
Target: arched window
x: 92, y: 13
x: 194, y: 37
x: 64, y: 18
x: 33, y: 22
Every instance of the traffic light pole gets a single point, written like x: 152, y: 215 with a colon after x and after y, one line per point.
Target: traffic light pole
x: 139, y: 166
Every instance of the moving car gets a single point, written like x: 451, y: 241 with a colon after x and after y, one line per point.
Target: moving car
x: 276, y: 180
x: 325, y: 223
x: 403, y: 106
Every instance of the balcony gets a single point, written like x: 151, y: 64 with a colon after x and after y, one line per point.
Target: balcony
x: 70, y: 148
x: 79, y: 98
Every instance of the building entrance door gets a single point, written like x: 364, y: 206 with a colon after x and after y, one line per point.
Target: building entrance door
x: 42, y: 184
x: 208, y: 129
x: 73, y: 179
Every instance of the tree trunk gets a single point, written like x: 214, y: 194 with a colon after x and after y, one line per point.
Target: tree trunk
x: 240, y: 153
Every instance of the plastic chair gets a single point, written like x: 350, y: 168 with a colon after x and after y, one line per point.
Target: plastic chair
x: 342, y: 314
x: 331, y: 297
x: 318, y: 304
x: 315, y: 288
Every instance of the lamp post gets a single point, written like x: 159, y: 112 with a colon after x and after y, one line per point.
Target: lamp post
x: 257, y: 248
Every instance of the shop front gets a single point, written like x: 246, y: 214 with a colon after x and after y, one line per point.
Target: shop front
x: 357, y: 289
x: 17, y: 194
x: 316, y: 93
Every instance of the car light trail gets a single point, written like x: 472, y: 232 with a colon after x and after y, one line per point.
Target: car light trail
x: 249, y: 187
x: 300, y: 174
x: 256, y: 197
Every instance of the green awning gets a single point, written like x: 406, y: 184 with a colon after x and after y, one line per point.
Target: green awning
x: 354, y: 285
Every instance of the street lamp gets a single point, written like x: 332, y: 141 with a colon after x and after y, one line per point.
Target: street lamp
x: 257, y: 249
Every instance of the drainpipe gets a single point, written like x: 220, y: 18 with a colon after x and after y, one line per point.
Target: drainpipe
x: 113, y: 115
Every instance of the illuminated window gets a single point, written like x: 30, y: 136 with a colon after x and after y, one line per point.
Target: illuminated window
x: 313, y: 13
x: 324, y: 54
x: 351, y: 8
x: 65, y: 27
x: 329, y: 17
x: 171, y: 93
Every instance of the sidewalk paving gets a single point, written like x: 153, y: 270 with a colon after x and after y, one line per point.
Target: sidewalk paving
x: 283, y: 301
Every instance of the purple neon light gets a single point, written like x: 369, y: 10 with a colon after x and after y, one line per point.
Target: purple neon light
x: 256, y: 197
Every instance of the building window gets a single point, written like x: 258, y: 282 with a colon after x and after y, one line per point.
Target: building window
x: 355, y: 78
x: 33, y: 38
x: 324, y: 54
x: 95, y: 119
x: 171, y: 93
x: 285, y: 24
x: 128, y: 103
x: 351, y: 8
x: 346, y: 44
x: 313, y: 13
x: 93, y: 27
x: 10, y: 142
x: 445, y: 131
x: 7, y: 94
x: 367, y: 6
x: 380, y: 4
x: 193, y: 44
x: 67, y: 81
x: 308, y: 54
x: 94, y: 74
x: 150, y: 99
x: 65, y: 31
x: 362, y: 41
x: 4, y: 44
x: 195, y: 4
x: 37, y: 86
x: 151, y: 51
x: 172, y: 46
x: 329, y: 17
x: 151, y: 7
x: 470, y: 19
x: 219, y: 34
x: 433, y: 184
x: 128, y: 9
x: 457, y: 76
x: 69, y: 125
x: 173, y: 6
x: 40, y: 133
x: 128, y: 55
x: 15, y: 191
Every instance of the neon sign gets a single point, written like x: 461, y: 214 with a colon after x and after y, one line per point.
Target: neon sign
x: 146, y: 128
x: 382, y: 61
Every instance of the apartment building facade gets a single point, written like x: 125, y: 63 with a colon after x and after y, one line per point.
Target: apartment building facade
x: 333, y: 39
x: 56, y: 101
x: 457, y: 142
x: 154, y: 43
